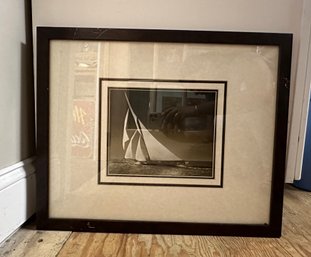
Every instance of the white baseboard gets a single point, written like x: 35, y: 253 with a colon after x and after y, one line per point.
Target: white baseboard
x: 17, y: 196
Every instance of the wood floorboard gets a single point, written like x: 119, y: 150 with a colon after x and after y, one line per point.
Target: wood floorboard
x: 295, y: 241
x: 28, y: 242
x: 297, y: 221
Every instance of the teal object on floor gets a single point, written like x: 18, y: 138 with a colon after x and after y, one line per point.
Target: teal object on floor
x: 305, y: 182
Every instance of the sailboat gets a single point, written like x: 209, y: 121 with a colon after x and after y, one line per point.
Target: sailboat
x: 141, y: 145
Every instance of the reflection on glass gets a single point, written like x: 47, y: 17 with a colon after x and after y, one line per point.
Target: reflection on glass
x: 161, y: 132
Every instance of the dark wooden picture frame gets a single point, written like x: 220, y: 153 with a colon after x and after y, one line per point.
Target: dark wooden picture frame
x: 45, y: 35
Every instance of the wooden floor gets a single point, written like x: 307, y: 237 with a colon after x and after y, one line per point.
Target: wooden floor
x: 296, y: 240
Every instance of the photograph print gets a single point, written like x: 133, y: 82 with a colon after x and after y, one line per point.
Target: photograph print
x: 158, y: 131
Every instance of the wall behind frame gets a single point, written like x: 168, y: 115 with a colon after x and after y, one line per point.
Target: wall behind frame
x: 16, y: 84
x: 17, y: 130
x: 280, y: 16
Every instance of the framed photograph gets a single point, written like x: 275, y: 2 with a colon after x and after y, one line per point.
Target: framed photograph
x: 161, y: 131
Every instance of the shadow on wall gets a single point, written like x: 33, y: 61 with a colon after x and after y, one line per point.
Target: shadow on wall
x: 27, y: 89
x: 27, y: 129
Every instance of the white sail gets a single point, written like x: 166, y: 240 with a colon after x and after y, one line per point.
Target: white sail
x: 140, y: 155
x: 155, y: 151
x: 130, y: 152
x: 132, y: 111
x: 125, y: 137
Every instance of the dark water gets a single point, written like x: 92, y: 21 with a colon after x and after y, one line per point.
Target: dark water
x: 166, y: 169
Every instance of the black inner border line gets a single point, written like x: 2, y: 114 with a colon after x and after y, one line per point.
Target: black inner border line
x: 159, y: 184
x: 162, y: 176
x: 167, y: 81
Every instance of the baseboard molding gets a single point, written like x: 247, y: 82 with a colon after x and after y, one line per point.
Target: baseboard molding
x: 17, y: 196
